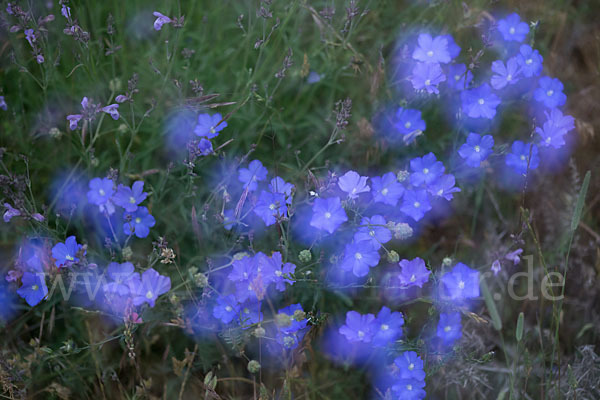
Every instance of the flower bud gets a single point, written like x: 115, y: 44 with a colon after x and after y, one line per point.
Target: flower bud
x: 283, y: 320
x: 299, y: 315
x: 253, y: 366
x: 393, y: 257
x: 305, y: 256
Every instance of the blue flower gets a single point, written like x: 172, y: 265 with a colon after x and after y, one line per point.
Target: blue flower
x: 100, y: 193
x: 505, y: 74
x: 409, y: 389
x: 389, y: 326
x: 476, y: 149
x: 432, y: 50
x: 328, y: 214
x: 415, y: 204
x: 413, y: 272
x: 375, y: 231
x: 409, y: 123
x: 33, y: 289
x: 459, y: 76
x: 549, y: 92
x: 444, y: 187
x: 359, y: 328
x: 294, y: 326
x: 160, y: 20
x: 250, y: 312
x: 449, y: 328
x: 243, y: 270
x: 512, y: 29
x: 353, y: 184
x: 66, y: 253
x: 555, y: 128
x: 255, y: 172
x: 148, y: 287
x: 278, y: 185
x: 529, y: 60
x: 410, y: 366
x: 425, y: 170
x: 270, y: 206
x: 359, y: 258
x: 226, y: 309
x: 138, y: 222
x: 274, y: 270
x: 461, y: 283
x: 387, y: 189
x: 129, y: 198
x: 480, y: 102
x: 205, y: 147
x: 519, y: 159
x: 119, y: 274
x: 427, y: 76
x: 209, y: 126
x: 10, y: 212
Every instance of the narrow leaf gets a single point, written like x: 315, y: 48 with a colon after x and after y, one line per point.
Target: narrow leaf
x: 491, y: 306
x: 519, y: 332
x: 580, y: 201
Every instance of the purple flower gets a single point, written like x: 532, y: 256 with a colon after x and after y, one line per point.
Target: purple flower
x: 270, y: 206
x: 480, y: 102
x: 409, y: 389
x: 3, y: 103
x: 119, y: 274
x: 461, y: 283
x: 160, y: 20
x: 148, y: 287
x: 505, y: 74
x: 254, y: 173
x: 512, y: 29
x: 459, y: 76
x: 34, y: 288
x: 243, y: 270
x: 375, y: 231
x: 427, y: 76
x: 209, y: 126
x: 388, y: 326
x: 549, y: 92
x: 415, y: 204
x: 519, y: 159
x: 129, y: 198
x: 112, y: 110
x: 359, y: 328
x: 100, y: 193
x: 410, y: 366
x: 444, y: 187
x: 449, y: 328
x: 39, y: 58
x: 65, y: 11
x: 74, y: 120
x: 121, y: 98
x: 30, y: 36
x: 529, y: 60
x: 328, y: 214
x: 432, y: 50
x: 10, y: 212
x: 409, y: 123
x: 425, y: 170
x: 226, y: 309
x: 476, y: 149
x: 514, y: 256
x: 353, y: 184
x: 413, y: 273
x: 66, y: 253
x: 205, y: 147
x: 387, y: 189
x: 555, y: 128
x: 359, y: 258
x: 496, y: 267
x: 139, y: 222
x: 278, y: 185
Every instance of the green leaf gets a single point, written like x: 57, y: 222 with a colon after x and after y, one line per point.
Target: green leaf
x: 491, y: 306
x: 580, y: 201
x: 519, y: 332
